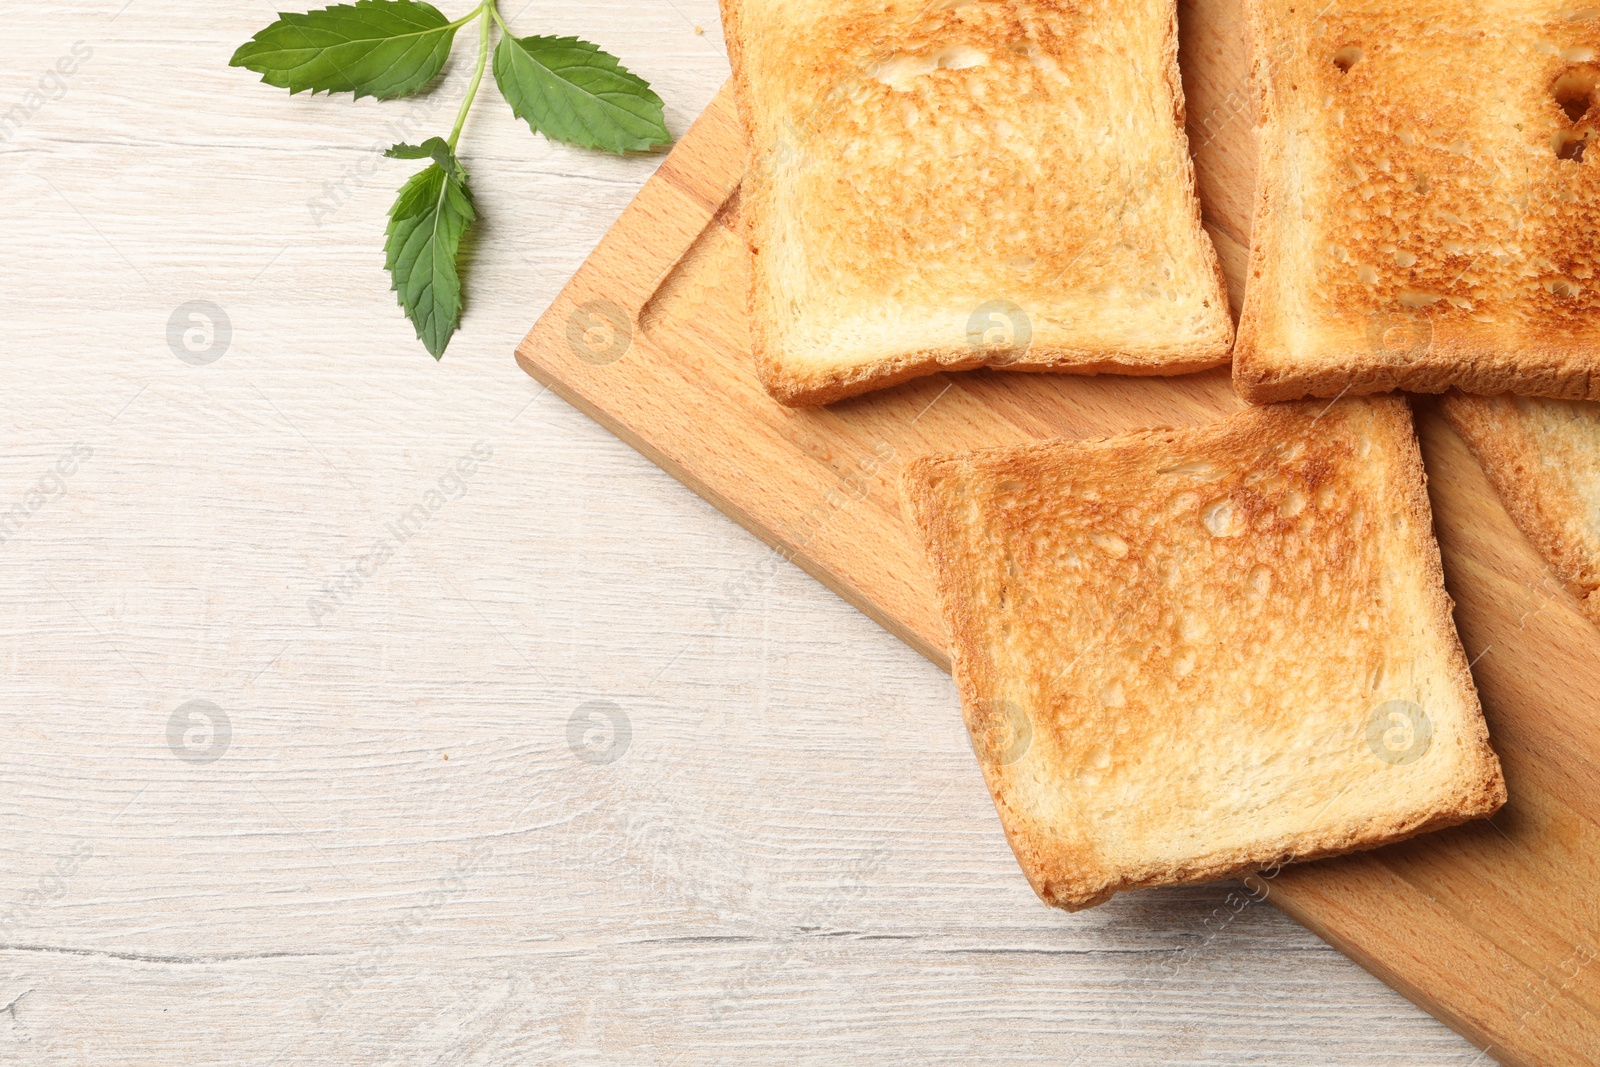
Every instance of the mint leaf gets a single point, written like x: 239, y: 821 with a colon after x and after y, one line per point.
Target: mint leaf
x: 565, y: 88
x: 381, y: 48
x: 434, y: 148
x: 428, y: 149
x: 426, y: 225
x: 571, y: 91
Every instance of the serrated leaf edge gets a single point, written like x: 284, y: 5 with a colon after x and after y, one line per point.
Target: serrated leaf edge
x: 615, y: 67
x: 239, y: 60
x: 438, y: 214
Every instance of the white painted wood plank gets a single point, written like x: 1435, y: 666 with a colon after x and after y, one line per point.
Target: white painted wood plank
x: 791, y: 858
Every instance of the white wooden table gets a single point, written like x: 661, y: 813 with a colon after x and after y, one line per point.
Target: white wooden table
x: 398, y: 828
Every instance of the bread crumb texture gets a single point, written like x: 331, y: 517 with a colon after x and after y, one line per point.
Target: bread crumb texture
x: 1428, y: 200
x: 1187, y: 654
x: 949, y: 185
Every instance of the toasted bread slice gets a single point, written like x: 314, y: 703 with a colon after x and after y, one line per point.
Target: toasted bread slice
x: 1543, y: 459
x: 1187, y: 654
x: 1426, y: 210
x: 951, y: 185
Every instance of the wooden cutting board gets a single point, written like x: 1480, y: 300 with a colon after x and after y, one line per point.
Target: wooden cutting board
x: 1492, y: 927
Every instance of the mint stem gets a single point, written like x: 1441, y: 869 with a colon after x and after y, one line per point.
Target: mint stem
x: 468, y: 17
x: 486, y: 9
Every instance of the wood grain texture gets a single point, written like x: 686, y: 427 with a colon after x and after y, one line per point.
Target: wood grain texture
x: 1492, y: 926
x: 792, y: 857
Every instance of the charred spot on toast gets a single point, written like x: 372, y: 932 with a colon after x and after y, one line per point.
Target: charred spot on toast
x: 1570, y: 144
x: 1347, y: 57
x: 1574, y: 90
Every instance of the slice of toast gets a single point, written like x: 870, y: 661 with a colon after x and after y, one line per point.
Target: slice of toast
x: 1426, y: 211
x: 948, y: 185
x: 1543, y: 459
x: 1183, y: 655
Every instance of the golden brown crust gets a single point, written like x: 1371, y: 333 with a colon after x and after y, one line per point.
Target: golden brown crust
x: 1564, y: 375
x: 972, y: 509
x: 1539, y: 496
x: 1484, y: 794
x: 1416, y: 227
x: 1263, y: 236
x: 797, y: 391
x: 868, y: 244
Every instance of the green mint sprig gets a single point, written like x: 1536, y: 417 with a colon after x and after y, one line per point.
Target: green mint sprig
x: 567, y: 89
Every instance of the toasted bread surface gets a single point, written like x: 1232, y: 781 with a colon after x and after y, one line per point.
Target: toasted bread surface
x: 1427, y: 200
x: 1187, y: 654
x: 945, y: 186
x: 1543, y: 458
